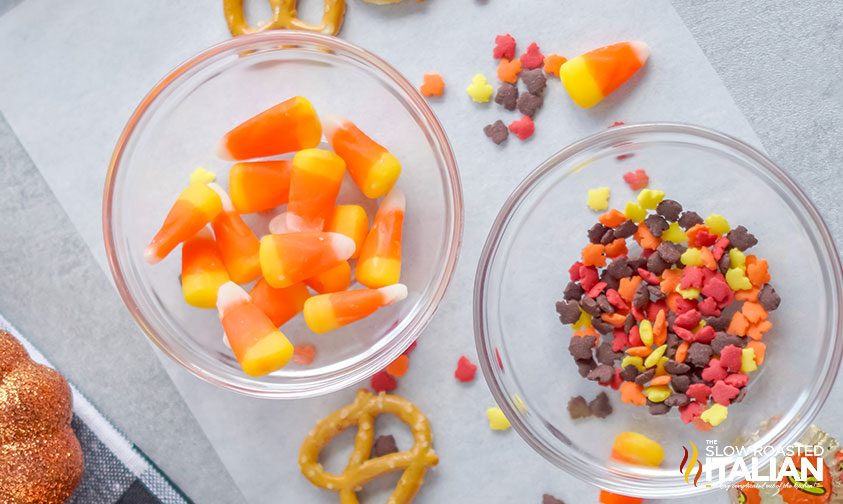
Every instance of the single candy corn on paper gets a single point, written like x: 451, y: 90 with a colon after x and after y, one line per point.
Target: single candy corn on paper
x: 335, y: 279
x: 237, y: 243
x: 290, y: 258
x: 372, y: 167
x: 314, y: 186
x: 352, y: 221
x: 637, y: 449
x: 289, y: 126
x: 202, y: 270
x: 590, y: 77
x: 328, y: 312
x: 195, y: 207
x: 497, y: 420
x: 280, y: 305
x: 257, y: 343
x: 260, y: 185
x: 380, y: 258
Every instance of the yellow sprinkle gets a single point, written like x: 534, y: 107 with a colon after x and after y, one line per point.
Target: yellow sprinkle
x: 202, y: 176
x: 634, y: 212
x: 715, y: 414
x: 699, y: 326
x: 497, y: 420
x: 692, y: 257
x: 660, y: 366
x: 480, y: 90
x: 654, y: 358
x: 737, y: 259
x: 598, y: 199
x: 674, y: 233
x: 645, y: 330
x: 633, y: 360
x: 657, y: 394
x: 737, y: 279
x: 688, y: 293
x: 748, y: 364
x: 583, y: 322
x: 649, y: 199
x: 717, y: 224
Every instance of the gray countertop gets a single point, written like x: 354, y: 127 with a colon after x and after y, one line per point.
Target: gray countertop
x: 783, y: 64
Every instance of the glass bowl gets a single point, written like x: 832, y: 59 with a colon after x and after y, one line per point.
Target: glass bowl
x: 175, y: 129
x: 540, y: 231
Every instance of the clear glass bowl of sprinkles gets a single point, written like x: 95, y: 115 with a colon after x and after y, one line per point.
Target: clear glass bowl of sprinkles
x: 175, y: 129
x: 540, y: 232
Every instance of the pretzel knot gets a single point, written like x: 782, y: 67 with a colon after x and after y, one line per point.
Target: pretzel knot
x: 360, y: 468
x: 284, y: 16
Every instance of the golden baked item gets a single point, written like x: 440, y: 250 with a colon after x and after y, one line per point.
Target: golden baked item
x: 40, y: 457
x: 284, y: 15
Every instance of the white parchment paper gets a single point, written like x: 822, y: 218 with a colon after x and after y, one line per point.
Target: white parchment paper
x: 79, y: 68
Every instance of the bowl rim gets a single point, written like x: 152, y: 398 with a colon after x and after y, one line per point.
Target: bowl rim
x: 350, y: 375
x: 613, y: 481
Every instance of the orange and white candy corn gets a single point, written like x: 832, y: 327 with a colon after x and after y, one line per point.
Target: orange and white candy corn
x: 314, y: 186
x: 259, y: 185
x: 289, y: 126
x: 257, y: 343
x: 373, y: 168
x: 280, y: 305
x: 327, y: 312
x: 290, y: 258
x: 379, y: 263
x: 352, y: 221
x: 202, y: 270
x: 335, y: 279
x: 590, y: 77
x: 195, y: 207
x: 237, y: 243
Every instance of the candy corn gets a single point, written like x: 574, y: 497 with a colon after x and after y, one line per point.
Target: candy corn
x: 260, y: 185
x: 202, y: 270
x: 327, y: 312
x: 380, y: 258
x: 335, y: 279
x: 314, y: 185
x: 257, y: 343
x: 280, y: 305
x: 195, y: 207
x: 590, y: 77
x: 290, y: 258
x: 373, y: 168
x: 289, y: 126
x: 237, y: 243
x: 352, y: 221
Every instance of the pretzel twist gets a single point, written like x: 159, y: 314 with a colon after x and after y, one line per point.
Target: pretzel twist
x: 284, y: 17
x: 360, y: 468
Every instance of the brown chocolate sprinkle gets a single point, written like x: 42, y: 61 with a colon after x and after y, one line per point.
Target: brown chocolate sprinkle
x: 497, y: 131
x: 768, y: 298
x: 549, y: 499
x: 578, y: 408
x: 699, y: 354
x: 569, y: 311
x: 601, y: 374
x: 741, y: 239
x: 507, y: 96
x: 600, y: 405
x: 669, y: 209
x: 581, y: 347
x: 535, y: 80
x: 680, y: 383
x: 690, y: 219
x: 528, y: 104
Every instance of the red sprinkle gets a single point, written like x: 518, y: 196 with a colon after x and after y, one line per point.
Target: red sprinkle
x: 699, y: 392
x: 705, y: 335
x: 533, y: 58
x: 616, y: 300
x: 621, y: 340
x: 523, y: 128
x: 688, y: 320
x: 588, y: 277
x: 730, y: 358
x: 596, y: 290
x: 574, y: 271
x: 382, y: 382
x: 714, y: 371
x: 723, y: 393
x: 737, y: 380
x: 635, y: 337
x: 649, y: 276
x: 504, y: 47
x: 636, y: 179
x: 690, y: 411
x: 465, y: 370
x: 708, y: 307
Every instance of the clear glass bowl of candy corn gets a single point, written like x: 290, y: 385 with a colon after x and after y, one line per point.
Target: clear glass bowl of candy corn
x: 696, y: 301
x: 282, y: 214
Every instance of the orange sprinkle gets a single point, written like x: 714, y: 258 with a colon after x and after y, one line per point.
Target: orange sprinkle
x: 757, y: 272
x: 639, y: 351
x: 738, y: 325
x: 702, y: 425
x: 628, y: 286
x: 708, y: 258
x: 585, y: 331
x: 616, y: 248
x: 757, y: 331
x: 681, y: 352
x: 754, y: 312
x: 552, y: 62
x: 660, y: 329
x: 632, y: 393
x: 607, y: 497
x: 760, y: 349
x: 747, y: 295
x: 615, y: 319
x: 433, y: 85
x: 508, y: 70
x: 670, y: 280
x: 645, y: 238
x: 692, y: 233
x: 399, y: 366
x: 613, y: 218
x: 673, y: 301
x: 594, y: 254
x: 660, y: 380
